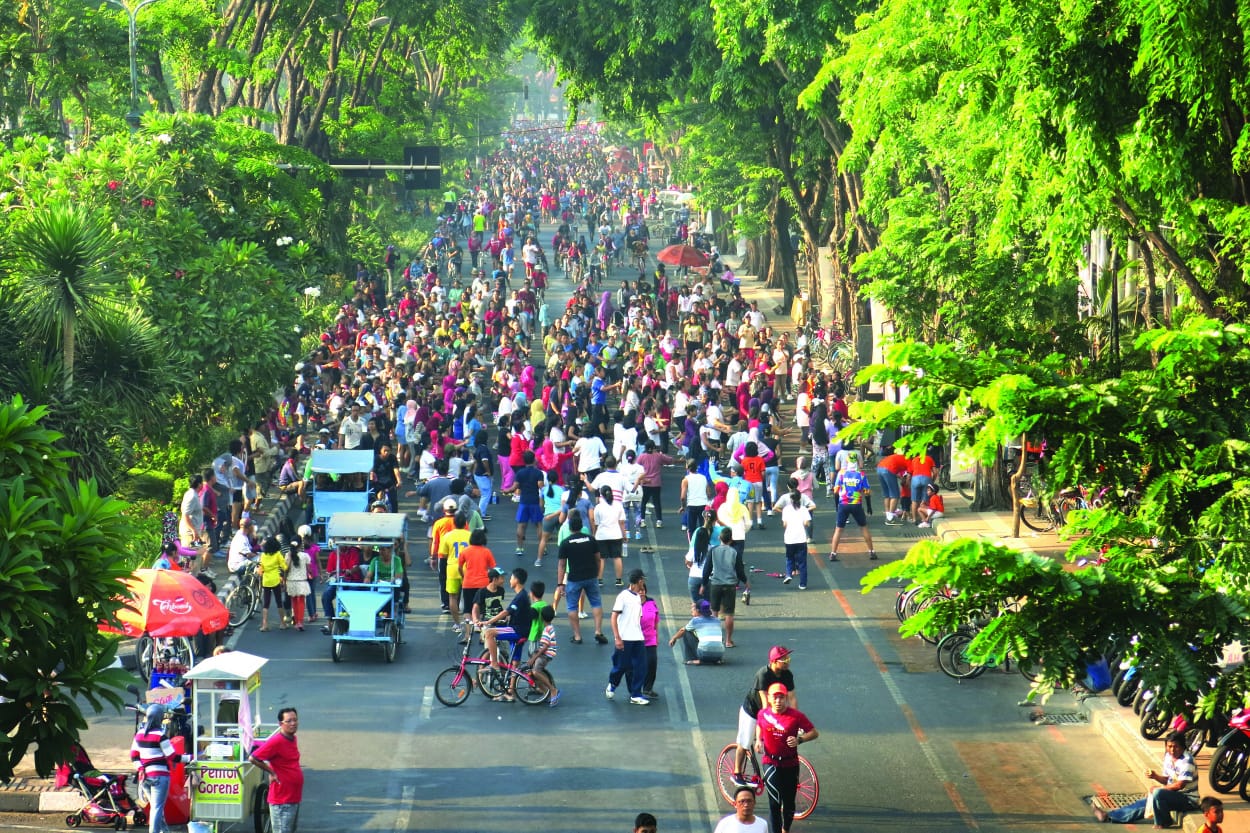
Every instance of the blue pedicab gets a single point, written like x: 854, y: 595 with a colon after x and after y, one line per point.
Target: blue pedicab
x: 372, y: 612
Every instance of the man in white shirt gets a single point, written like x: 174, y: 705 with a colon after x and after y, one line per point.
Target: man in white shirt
x: 631, y: 654
x: 743, y: 819
x: 352, y: 428
x: 589, y: 450
x: 240, y: 554
x: 733, y: 371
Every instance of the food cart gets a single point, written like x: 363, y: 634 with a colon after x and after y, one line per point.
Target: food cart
x: 340, y: 484
x: 225, y: 694
x: 367, y: 612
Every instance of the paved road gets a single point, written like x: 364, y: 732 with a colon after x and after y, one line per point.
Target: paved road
x: 902, y: 747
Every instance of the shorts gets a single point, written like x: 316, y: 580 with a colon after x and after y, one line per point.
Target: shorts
x: 755, y: 494
x: 453, y: 586
x: 610, y: 549
x: 746, y: 729
x: 723, y: 598
x: 551, y: 524
x: 573, y: 593
x: 529, y: 513
x: 284, y: 817
x: 539, y: 663
x: 851, y: 510
x: 889, y: 484
x: 236, y: 495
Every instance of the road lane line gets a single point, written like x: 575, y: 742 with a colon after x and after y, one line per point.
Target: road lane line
x: 427, y: 702
x: 700, y: 810
x: 403, y: 816
x: 926, y: 748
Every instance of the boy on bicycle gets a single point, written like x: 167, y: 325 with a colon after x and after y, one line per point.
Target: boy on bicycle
x: 518, y: 614
x: 544, y: 653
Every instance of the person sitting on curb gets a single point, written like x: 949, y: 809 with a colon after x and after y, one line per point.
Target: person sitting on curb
x: 1175, y: 789
x: 932, y: 510
x: 702, y: 639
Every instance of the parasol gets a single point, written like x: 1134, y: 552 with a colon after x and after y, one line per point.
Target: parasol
x: 682, y: 255
x: 169, y: 603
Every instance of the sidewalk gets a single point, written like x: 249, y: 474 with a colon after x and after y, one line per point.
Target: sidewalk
x: 1118, y: 725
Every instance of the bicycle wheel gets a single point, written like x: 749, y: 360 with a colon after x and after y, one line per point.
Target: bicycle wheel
x: 492, y: 681
x: 1038, y: 516
x: 952, y: 656
x: 725, y: 763
x: 937, y: 598
x: 239, y: 604
x: 453, y: 686
x: 527, y: 690
x: 145, y: 655
x: 808, y: 793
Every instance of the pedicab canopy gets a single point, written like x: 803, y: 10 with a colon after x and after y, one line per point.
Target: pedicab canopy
x: 225, y: 697
x: 340, y: 481
x: 379, y: 529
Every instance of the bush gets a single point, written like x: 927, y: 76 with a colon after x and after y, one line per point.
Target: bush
x: 139, y: 484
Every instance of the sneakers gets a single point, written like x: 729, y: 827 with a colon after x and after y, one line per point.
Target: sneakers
x: 457, y: 628
x: 770, y: 513
x: 802, y: 586
x: 786, y: 580
x: 487, y: 518
x: 620, y: 583
x: 872, y: 555
x: 683, y: 526
x: 520, y: 551
x: 639, y: 701
x: 660, y: 525
x: 651, y: 695
x: 538, y: 562
x: 581, y: 614
x: 210, y: 573
x: 746, y: 597
x: 833, y: 556
x: 924, y: 525
x: 637, y: 534
x: 600, y: 582
x: 610, y: 692
x: 601, y: 639
x: 740, y: 780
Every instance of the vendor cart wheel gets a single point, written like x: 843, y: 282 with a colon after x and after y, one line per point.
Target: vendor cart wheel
x: 336, y: 651
x: 140, y: 818
x: 119, y: 823
x: 260, y: 810
x: 73, y: 820
x: 392, y: 642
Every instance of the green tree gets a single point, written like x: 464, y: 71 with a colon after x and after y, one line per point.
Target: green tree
x: 60, y: 564
x: 59, y: 282
x: 1165, y: 444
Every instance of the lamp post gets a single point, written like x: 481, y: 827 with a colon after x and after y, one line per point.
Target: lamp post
x: 132, y: 118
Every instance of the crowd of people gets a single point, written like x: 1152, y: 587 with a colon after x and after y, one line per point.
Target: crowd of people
x: 473, y: 388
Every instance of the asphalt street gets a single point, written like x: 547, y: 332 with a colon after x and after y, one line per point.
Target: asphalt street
x: 902, y: 747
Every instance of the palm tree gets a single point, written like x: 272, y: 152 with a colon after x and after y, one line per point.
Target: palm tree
x: 58, y: 277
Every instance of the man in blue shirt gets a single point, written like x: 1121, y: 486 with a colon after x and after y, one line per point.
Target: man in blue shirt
x: 529, y: 481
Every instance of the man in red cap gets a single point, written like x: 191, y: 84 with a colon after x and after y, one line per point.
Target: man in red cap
x: 777, y: 671
x: 781, y: 730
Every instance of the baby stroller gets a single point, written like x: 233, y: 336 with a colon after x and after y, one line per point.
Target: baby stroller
x: 107, y: 801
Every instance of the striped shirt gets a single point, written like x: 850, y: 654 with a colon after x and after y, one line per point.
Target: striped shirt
x: 153, y: 752
x: 547, y: 644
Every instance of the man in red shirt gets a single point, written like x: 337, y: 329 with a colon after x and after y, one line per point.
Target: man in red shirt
x: 279, y: 756
x: 781, y: 730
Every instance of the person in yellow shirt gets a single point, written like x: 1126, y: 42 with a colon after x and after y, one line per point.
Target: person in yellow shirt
x: 453, y: 542
x: 273, y: 569
x: 440, y: 528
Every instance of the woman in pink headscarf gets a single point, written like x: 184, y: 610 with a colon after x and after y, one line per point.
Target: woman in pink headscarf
x: 528, y: 382
x: 605, y: 310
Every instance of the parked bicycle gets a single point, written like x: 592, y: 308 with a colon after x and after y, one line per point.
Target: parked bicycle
x: 805, y: 797
x: 243, y: 601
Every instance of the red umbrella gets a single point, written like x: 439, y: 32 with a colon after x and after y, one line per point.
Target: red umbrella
x: 169, y: 603
x: 682, y: 255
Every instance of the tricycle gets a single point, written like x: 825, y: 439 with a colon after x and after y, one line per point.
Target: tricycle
x: 371, y: 610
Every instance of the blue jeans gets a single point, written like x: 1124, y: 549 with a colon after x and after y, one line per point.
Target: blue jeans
x: 796, y: 559
x: 485, y: 484
x: 695, y: 584
x: 158, y: 790
x: 920, y: 490
x: 284, y: 817
x: 632, y: 659
x: 1165, y: 803
x: 771, y: 475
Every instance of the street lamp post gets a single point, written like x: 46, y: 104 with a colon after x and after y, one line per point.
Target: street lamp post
x: 132, y: 12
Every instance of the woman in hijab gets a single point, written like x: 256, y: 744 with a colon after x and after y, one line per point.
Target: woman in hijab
x: 605, y: 310
x: 154, y: 756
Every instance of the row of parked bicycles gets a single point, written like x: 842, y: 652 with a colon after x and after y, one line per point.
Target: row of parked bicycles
x: 1227, y: 734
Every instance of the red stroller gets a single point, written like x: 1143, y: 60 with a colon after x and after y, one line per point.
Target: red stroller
x: 107, y: 801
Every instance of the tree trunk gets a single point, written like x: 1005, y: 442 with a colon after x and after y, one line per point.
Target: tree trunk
x: 991, y: 492
x: 1015, y: 486
x: 757, y: 258
x: 781, y: 268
